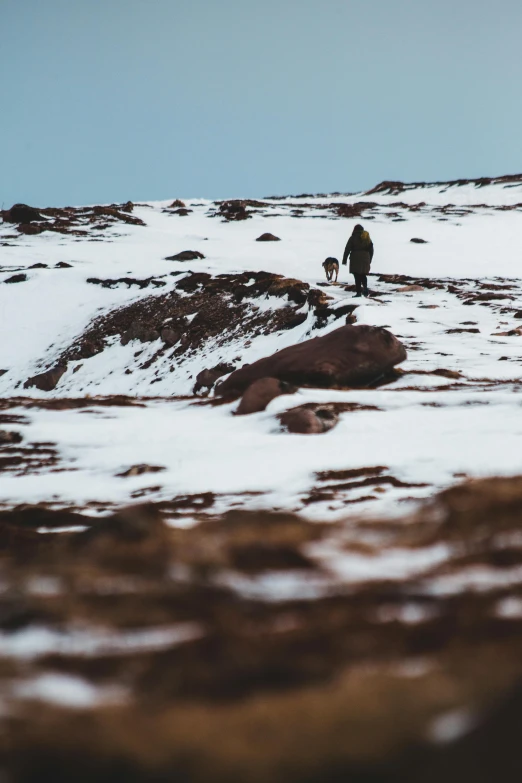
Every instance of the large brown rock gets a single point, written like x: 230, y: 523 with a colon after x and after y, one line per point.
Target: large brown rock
x: 46, y: 381
x: 260, y: 393
x: 348, y: 356
x: 22, y: 213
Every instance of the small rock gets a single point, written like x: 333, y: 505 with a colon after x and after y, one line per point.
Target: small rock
x: 46, y: 381
x: 8, y: 436
x: 234, y: 210
x: 138, y: 470
x: 267, y: 237
x: 260, y: 393
x: 317, y: 298
x: 21, y: 278
x: 89, y: 348
x: 177, y: 203
x: 39, y: 266
x: 207, y: 378
x: 30, y: 228
x: 62, y: 265
x: 170, y: 336
x: 295, y: 320
x: 509, y: 333
x: 186, y: 255
x: 419, y: 241
x: 308, y: 420
x: 138, y: 331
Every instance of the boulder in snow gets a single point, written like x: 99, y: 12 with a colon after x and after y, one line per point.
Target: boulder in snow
x: 419, y: 241
x: 46, y: 381
x: 207, y: 378
x: 268, y: 237
x: 260, y: 393
x: 20, y: 278
x: 9, y: 437
x: 348, y: 356
x: 309, y: 419
x: 186, y: 255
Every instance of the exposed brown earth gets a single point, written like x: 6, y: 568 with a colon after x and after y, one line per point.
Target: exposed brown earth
x: 78, y: 221
x: 199, y: 308
x: 382, y: 680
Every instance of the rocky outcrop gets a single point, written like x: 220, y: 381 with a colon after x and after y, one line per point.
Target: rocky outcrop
x: 262, y: 392
x: 46, y: 381
x: 233, y: 210
x: 349, y: 356
x: 21, y: 213
x: 20, y: 278
x: 309, y: 419
x: 267, y: 237
x: 30, y: 228
x: 186, y: 255
x: 78, y: 221
x: 200, y: 307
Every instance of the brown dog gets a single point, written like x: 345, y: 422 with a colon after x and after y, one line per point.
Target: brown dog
x: 331, y: 267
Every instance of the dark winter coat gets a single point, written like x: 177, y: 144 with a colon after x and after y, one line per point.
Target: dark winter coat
x: 360, y: 249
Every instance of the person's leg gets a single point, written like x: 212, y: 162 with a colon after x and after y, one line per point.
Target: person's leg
x: 357, y: 278
x: 364, y: 282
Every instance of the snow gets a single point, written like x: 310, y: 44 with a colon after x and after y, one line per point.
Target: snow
x: 428, y: 429
x: 38, y: 641
x: 64, y: 690
x: 450, y: 726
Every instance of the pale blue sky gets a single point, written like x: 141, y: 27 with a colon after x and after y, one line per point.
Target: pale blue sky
x: 106, y: 100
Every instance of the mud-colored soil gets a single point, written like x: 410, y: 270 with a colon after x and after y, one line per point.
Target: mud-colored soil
x: 333, y: 682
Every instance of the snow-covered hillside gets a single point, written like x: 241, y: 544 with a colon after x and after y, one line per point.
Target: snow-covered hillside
x: 70, y: 297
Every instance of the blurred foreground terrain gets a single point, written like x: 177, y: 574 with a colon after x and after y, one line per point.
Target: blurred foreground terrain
x: 242, y: 649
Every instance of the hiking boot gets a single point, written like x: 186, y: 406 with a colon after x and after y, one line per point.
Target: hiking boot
x: 356, y: 295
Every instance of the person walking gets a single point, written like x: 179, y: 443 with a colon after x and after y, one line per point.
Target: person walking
x: 360, y: 249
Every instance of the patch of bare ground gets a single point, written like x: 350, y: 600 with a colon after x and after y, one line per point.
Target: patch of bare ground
x: 200, y: 308
x: 20, y: 457
x: 77, y: 221
x: 337, y: 485
x: 203, y: 668
x: 72, y: 403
